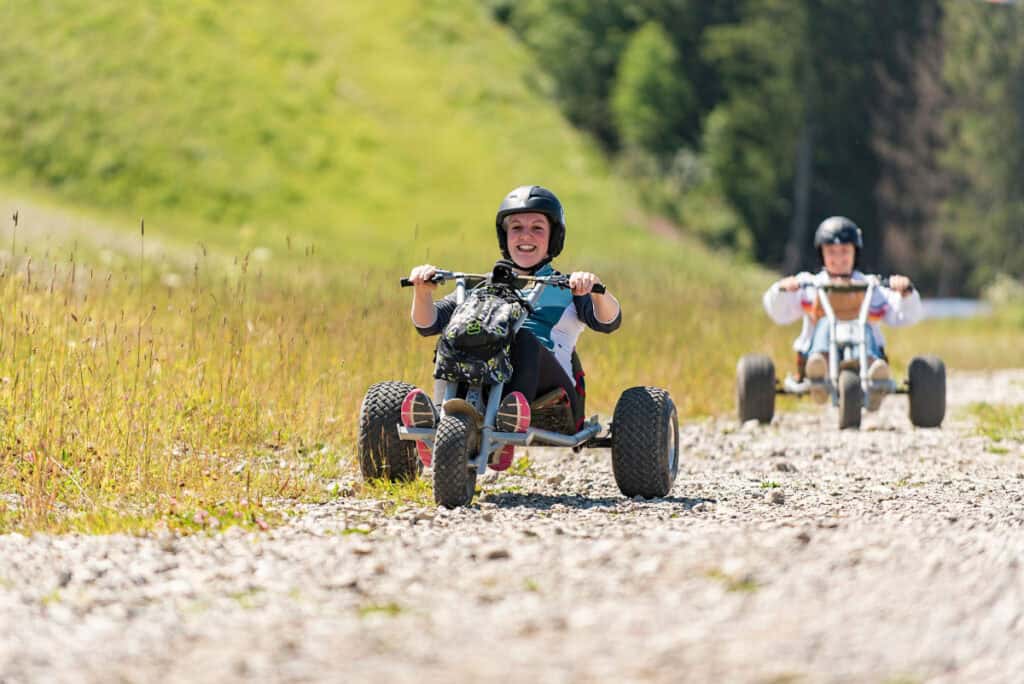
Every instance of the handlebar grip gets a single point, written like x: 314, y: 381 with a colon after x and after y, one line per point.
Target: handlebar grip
x: 884, y: 282
x: 406, y: 282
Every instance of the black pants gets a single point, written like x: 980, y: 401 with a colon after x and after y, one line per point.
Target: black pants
x: 536, y: 371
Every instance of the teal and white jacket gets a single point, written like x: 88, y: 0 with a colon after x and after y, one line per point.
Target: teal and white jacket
x: 558, y: 319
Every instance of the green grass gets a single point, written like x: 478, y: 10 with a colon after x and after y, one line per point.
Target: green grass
x: 398, y: 494
x: 746, y: 584
x: 362, y: 127
x: 390, y: 609
x: 999, y: 422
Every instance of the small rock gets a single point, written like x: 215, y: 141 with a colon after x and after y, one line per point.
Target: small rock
x: 64, y: 578
x: 776, y: 496
x: 496, y: 554
x: 785, y: 467
x: 337, y: 488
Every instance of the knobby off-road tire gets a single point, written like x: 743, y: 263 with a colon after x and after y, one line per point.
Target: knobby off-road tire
x: 456, y: 443
x: 851, y: 399
x: 926, y: 378
x: 645, y: 442
x: 381, y: 453
x: 755, y: 388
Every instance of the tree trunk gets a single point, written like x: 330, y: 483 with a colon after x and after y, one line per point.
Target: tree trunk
x: 796, y: 245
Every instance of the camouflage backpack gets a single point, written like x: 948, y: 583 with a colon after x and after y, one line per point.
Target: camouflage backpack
x: 476, y: 344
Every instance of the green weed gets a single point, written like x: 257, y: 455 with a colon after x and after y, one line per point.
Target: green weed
x: 998, y: 422
x: 743, y: 584
x: 390, y: 609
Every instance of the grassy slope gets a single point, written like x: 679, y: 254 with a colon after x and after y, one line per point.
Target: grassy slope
x: 350, y: 123
x: 383, y: 133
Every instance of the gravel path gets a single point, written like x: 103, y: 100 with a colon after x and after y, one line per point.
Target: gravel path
x: 793, y: 553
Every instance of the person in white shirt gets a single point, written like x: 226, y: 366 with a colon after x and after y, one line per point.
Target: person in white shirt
x: 839, y: 242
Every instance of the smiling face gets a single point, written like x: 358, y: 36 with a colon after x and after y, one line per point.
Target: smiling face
x: 528, y: 236
x: 839, y: 258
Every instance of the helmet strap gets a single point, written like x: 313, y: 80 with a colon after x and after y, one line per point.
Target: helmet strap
x: 533, y: 269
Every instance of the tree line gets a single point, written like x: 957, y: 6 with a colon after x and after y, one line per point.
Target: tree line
x: 748, y: 121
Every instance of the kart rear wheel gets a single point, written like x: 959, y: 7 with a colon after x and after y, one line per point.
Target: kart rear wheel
x: 381, y: 453
x: 645, y: 442
x: 455, y: 444
x: 851, y: 399
x: 755, y: 388
x: 926, y: 378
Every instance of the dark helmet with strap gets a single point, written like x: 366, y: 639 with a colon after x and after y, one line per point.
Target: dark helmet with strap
x: 533, y: 198
x: 838, y: 230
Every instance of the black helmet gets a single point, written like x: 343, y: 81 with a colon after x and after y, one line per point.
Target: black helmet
x: 838, y: 230
x: 528, y: 198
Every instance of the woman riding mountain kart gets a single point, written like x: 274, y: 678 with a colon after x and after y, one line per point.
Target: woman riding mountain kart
x: 842, y: 302
x: 839, y: 242
x: 530, y: 226
x: 507, y: 372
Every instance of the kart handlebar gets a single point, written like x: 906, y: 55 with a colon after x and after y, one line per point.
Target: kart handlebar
x: 852, y: 287
x: 441, y: 277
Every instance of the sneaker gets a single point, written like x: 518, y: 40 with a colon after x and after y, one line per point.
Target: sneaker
x: 816, y: 370
x: 513, y: 416
x: 878, y: 371
x: 513, y: 413
x: 418, y: 410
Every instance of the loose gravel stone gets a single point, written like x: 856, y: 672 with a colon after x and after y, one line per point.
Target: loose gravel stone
x: 885, y: 554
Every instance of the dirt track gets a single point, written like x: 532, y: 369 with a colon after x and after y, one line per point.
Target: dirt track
x: 888, y: 555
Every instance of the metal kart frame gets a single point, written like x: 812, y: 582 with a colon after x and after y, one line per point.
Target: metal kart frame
x: 446, y: 394
x: 846, y: 339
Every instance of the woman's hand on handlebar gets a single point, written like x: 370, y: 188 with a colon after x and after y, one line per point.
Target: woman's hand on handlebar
x: 900, y: 284
x: 790, y: 284
x: 583, y: 282
x: 420, y: 278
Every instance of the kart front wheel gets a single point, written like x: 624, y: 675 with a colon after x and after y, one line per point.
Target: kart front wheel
x: 755, y: 388
x: 381, y: 453
x: 851, y: 399
x: 645, y: 442
x: 455, y: 444
x: 927, y: 390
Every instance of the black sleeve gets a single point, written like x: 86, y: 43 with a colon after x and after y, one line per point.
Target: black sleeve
x: 444, y: 308
x: 585, y: 311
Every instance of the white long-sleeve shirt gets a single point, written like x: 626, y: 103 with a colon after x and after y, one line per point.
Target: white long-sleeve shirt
x: 887, y: 306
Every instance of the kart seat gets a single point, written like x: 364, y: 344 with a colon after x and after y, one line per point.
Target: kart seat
x: 553, y: 411
x: 801, y: 363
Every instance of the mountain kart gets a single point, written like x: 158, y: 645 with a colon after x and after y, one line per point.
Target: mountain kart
x: 847, y: 383
x: 643, y: 435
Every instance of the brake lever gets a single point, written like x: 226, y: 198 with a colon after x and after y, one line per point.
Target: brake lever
x: 439, y: 278
x: 563, y: 281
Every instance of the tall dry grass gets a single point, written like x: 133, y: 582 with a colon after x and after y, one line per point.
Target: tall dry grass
x: 186, y: 392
